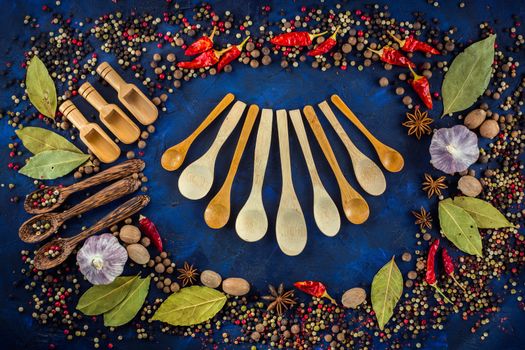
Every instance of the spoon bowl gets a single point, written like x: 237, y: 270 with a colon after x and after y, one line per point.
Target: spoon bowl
x: 326, y: 215
x: 392, y: 160
x: 173, y: 157
x: 369, y: 176
x: 252, y: 223
x: 42, y: 261
x: 216, y: 214
x: 291, y: 231
x: 356, y: 210
x: 28, y: 235
x: 30, y: 202
x: 196, y: 180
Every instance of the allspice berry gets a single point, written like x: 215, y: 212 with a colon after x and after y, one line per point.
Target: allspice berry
x: 470, y: 186
x: 475, y: 118
x: 489, y: 129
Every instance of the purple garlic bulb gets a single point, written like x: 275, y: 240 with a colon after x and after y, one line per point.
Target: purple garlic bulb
x: 453, y: 149
x: 102, y: 259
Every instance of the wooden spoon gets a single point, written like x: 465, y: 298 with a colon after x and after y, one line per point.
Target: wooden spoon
x: 367, y: 173
x: 114, y: 173
x: 196, y: 180
x: 55, y: 220
x: 391, y: 159
x: 217, y: 212
x: 252, y: 223
x: 290, y: 227
x: 130, y: 95
x: 67, y: 245
x: 355, y: 207
x: 325, y: 211
x: 174, y: 156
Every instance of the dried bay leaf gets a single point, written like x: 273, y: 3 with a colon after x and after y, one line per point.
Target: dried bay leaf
x: 460, y: 228
x: 387, y: 288
x: 102, y: 298
x: 483, y: 213
x: 468, y: 76
x: 41, y: 88
x: 37, y: 140
x: 190, y: 306
x: 130, y: 306
x: 49, y: 165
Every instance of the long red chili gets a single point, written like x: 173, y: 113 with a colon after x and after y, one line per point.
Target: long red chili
x: 411, y: 45
x: 205, y: 59
x: 449, y: 267
x: 421, y: 86
x: 317, y: 289
x: 231, y: 55
x: 325, y: 46
x: 201, y: 45
x: 430, y: 276
x: 150, y: 230
x: 295, y: 39
x: 392, y: 56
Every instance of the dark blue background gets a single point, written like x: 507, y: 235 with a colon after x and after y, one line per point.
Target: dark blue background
x: 348, y: 260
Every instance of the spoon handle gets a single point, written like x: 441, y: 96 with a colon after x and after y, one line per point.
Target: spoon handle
x: 284, y: 150
x: 336, y: 100
x: 103, y: 197
x: 124, y: 211
x: 347, y: 191
x: 114, y: 173
x: 229, y: 123
x: 347, y: 142
x: 262, y: 149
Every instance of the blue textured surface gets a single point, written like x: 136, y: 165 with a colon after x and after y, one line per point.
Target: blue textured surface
x: 348, y: 260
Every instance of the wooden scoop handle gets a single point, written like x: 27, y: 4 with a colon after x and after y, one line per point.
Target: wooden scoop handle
x: 347, y: 191
x: 71, y: 113
x: 111, y: 76
x: 115, y: 172
x: 129, y: 208
x: 92, y: 96
x: 241, y: 145
x: 104, y: 196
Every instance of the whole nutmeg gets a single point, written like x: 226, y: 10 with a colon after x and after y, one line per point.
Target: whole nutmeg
x: 129, y: 234
x: 354, y: 297
x: 489, y: 129
x: 475, y: 118
x: 235, y: 286
x: 138, y: 253
x: 470, y: 186
x: 211, y: 279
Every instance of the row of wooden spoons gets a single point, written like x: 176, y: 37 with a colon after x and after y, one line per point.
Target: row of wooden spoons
x: 252, y: 223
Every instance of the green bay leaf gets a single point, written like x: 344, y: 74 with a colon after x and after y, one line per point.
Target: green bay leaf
x: 460, y: 228
x: 41, y: 88
x: 387, y: 288
x: 483, y: 213
x: 190, y: 306
x: 102, y: 298
x: 468, y: 76
x: 50, y: 165
x: 130, y: 306
x: 37, y: 140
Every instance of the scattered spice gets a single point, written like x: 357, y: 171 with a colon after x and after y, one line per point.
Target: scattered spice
x: 325, y: 46
x: 391, y: 56
x: 434, y: 186
x: 150, y: 230
x: 187, y: 274
x: 314, y: 288
x: 201, y: 45
x: 421, y: 86
x: 449, y: 267
x: 295, y: 39
x: 280, y: 300
x: 423, y: 219
x: 411, y: 45
x: 430, y: 276
x: 53, y: 252
x: 418, y: 123
x: 204, y: 60
x: 231, y: 55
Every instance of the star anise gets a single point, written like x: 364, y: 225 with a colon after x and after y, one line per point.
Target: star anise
x: 433, y: 187
x: 418, y: 123
x: 281, y: 300
x: 188, y: 274
x: 423, y: 219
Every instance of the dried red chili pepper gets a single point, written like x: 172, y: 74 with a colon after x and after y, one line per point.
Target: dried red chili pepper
x: 231, y: 55
x: 325, y: 46
x: 150, y: 230
x: 392, y: 56
x: 317, y: 289
x: 201, y: 45
x: 421, y: 86
x: 410, y: 45
x: 430, y: 276
x: 205, y: 59
x: 295, y: 39
x: 449, y: 267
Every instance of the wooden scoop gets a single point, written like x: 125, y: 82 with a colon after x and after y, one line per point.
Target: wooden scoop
x: 111, y: 115
x: 367, y: 173
x: 174, y: 156
x: 355, y: 207
x: 196, y: 180
x: 91, y: 134
x: 114, y: 173
x: 104, y: 196
x: 130, y: 95
x: 252, y: 223
x: 391, y: 159
x: 290, y: 227
x: 67, y: 245
x: 217, y: 212
x: 326, y: 213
